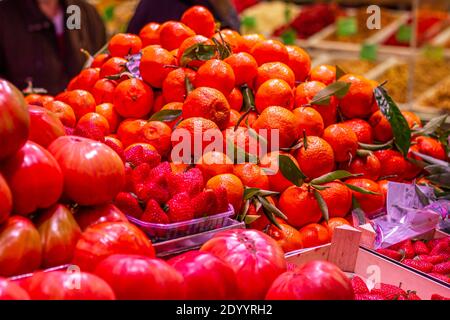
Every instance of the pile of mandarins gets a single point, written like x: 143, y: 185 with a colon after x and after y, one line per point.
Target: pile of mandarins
x: 193, y: 76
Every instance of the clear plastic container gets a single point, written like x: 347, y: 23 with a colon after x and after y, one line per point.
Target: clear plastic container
x: 170, y: 248
x: 163, y: 232
x: 25, y: 276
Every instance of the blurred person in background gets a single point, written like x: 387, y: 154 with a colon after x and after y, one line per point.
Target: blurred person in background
x: 162, y: 11
x: 36, y: 45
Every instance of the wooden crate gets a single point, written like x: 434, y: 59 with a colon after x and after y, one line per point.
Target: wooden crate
x: 345, y: 251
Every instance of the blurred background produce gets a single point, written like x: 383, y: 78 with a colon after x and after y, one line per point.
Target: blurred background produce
x: 361, y: 32
x: 427, y: 72
x: 267, y: 16
x: 440, y: 97
x: 336, y: 33
x: 355, y: 65
x: 115, y: 13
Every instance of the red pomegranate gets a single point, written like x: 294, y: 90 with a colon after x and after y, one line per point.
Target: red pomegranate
x: 93, y: 172
x: 316, y: 280
x: 14, y: 119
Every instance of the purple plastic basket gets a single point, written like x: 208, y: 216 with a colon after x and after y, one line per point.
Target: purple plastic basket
x: 163, y: 232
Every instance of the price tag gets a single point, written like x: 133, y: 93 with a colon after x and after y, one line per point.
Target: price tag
x: 248, y: 22
x: 404, y: 34
x: 108, y: 13
x: 433, y: 52
x: 346, y: 26
x: 289, y: 37
x: 369, y: 51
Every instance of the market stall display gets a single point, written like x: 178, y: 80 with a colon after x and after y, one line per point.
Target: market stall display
x: 190, y: 162
x: 427, y: 72
x: 356, y: 66
x: 438, y: 96
x: 429, y: 24
x: 360, y: 33
x: 310, y: 20
x: 267, y: 16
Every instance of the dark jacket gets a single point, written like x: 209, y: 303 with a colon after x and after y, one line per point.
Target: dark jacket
x: 162, y: 11
x: 30, y: 49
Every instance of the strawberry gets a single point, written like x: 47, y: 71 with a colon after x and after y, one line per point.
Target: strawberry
x: 441, y: 277
x: 89, y: 131
x: 442, y: 268
x: 128, y: 203
x: 436, y: 296
x: 145, y: 191
x: 420, y: 247
x: 446, y: 240
x: 411, y: 295
x: 394, y: 247
x: 137, y: 155
x: 419, y: 265
x: 432, y: 243
x: 159, y: 173
x: 398, y: 246
x: 222, y: 199
x: 116, y: 148
x: 154, y: 214
x: 389, y: 291
x: 368, y: 296
x: 180, y: 208
x: 432, y: 259
x: 359, y: 286
x: 408, y: 249
x: 204, y: 204
x: 191, y: 182
x: 129, y: 185
x: 140, y: 174
x: 391, y: 253
x: 401, y: 298
x: 440, y: 248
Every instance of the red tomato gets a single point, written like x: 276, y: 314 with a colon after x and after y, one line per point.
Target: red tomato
x: 85, y: 80
x: 81, y: 101
x: 45, y: 126
x: 61, y: 285
x: 5, y: 200
x: 102, y: 240
x: 20, y: 247
x: 315, y: 280
x: 135, y: 277
x: 38, y: 99
x: 11, y: 291
x: 59, y: 235
x: 14, y: 119
x: 255, y: 258
x: 34, y: 177
x: 93, y: 172
x: 88, y: 216
x: 206, y: 276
